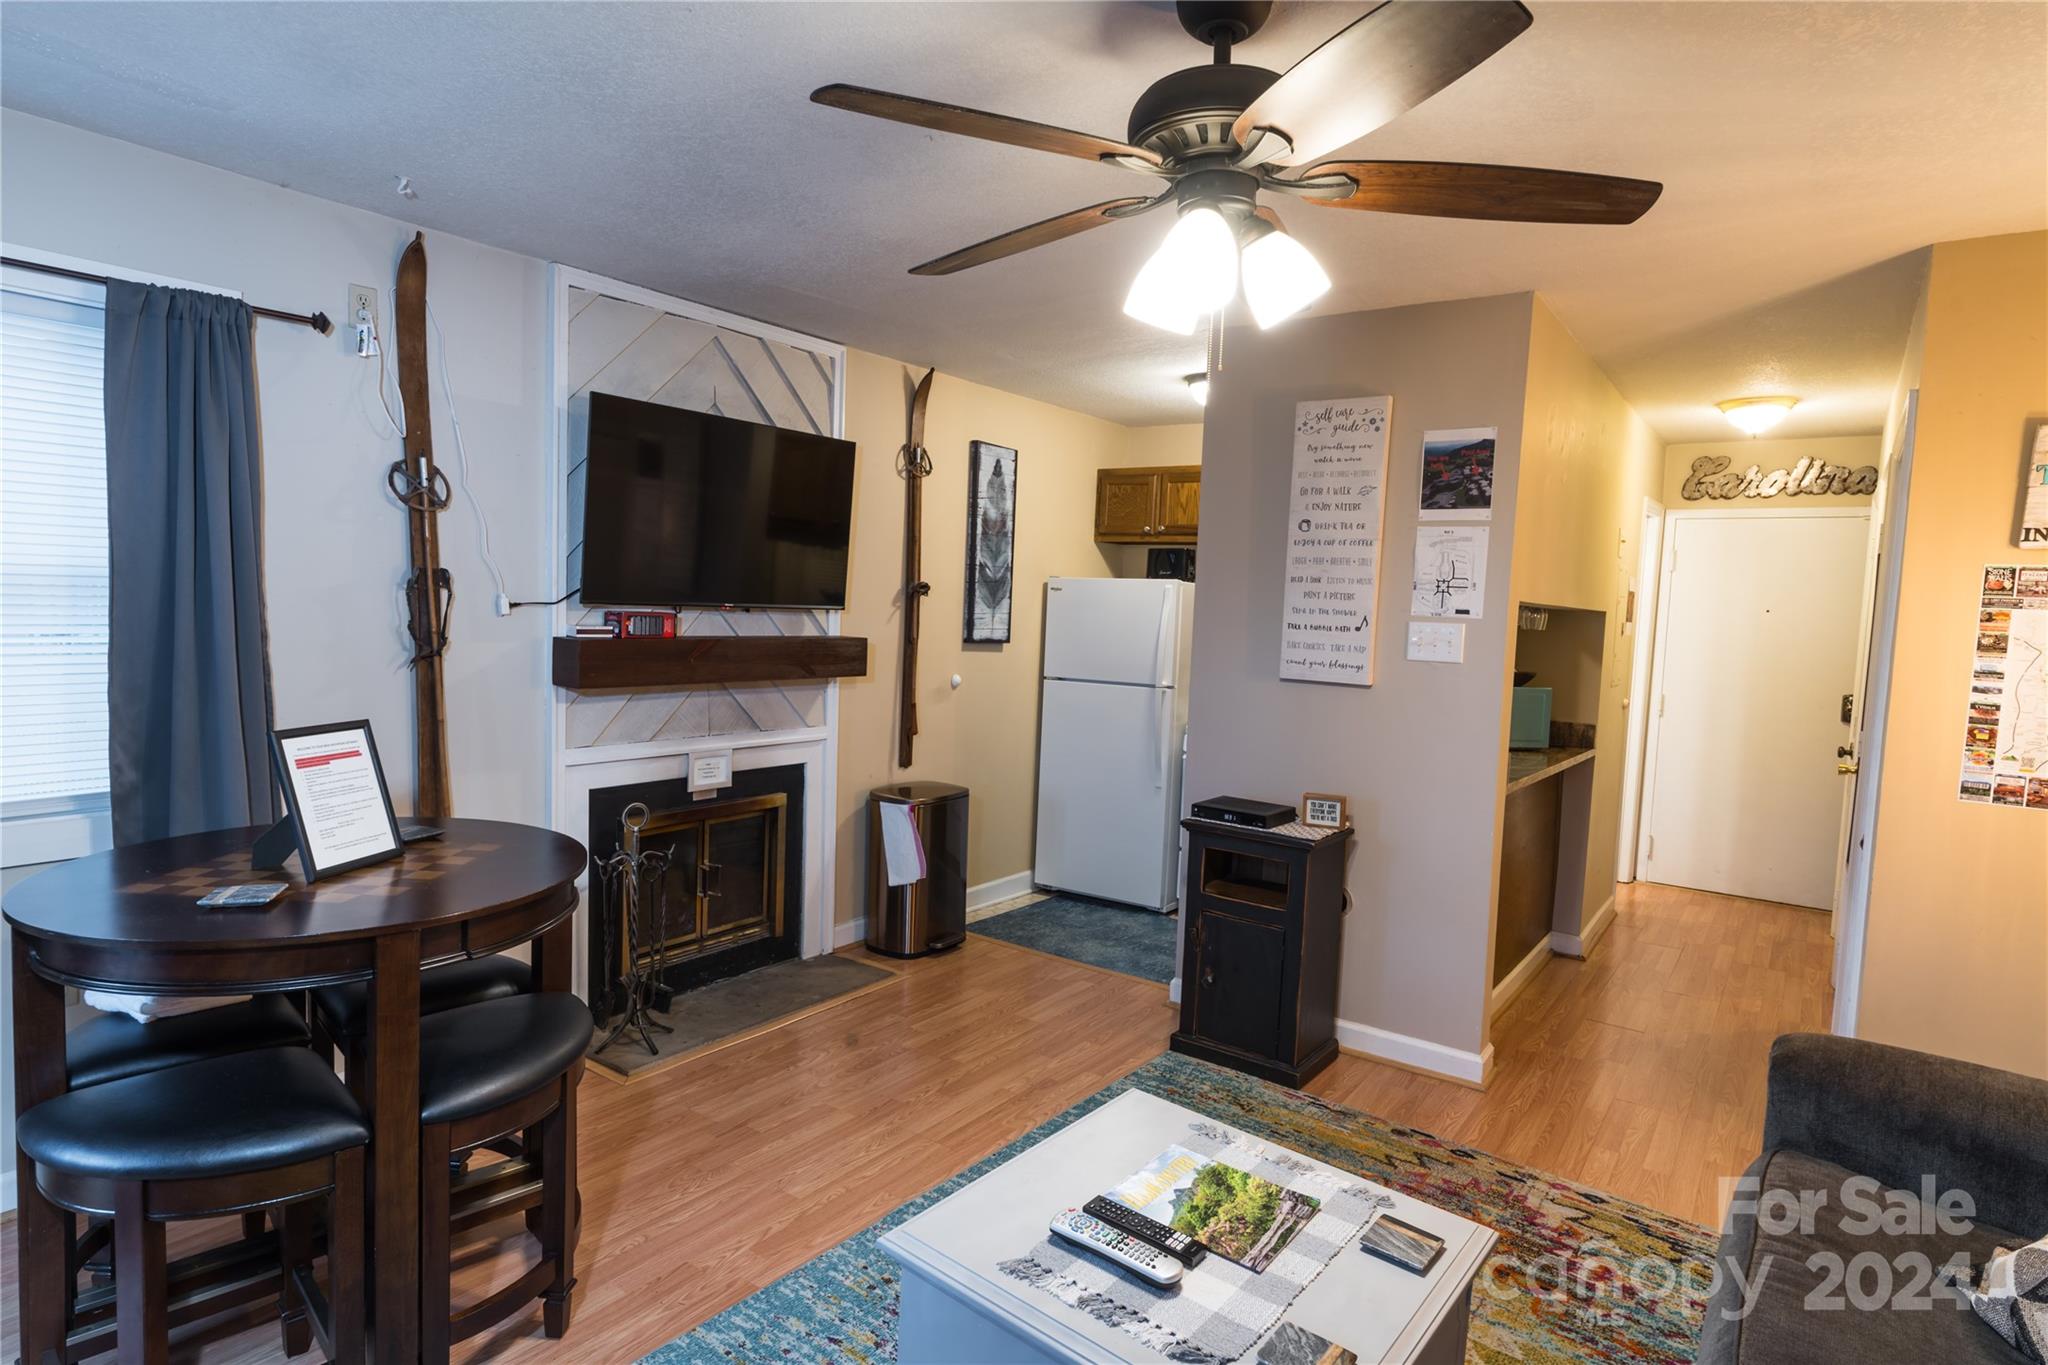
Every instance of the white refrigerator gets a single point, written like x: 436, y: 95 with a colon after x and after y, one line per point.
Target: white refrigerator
x: 1114, y: 711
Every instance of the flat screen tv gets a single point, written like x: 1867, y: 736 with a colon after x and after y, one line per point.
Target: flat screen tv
x: 686, y: 508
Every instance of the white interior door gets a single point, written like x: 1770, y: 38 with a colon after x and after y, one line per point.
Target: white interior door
x: 1756, y: 647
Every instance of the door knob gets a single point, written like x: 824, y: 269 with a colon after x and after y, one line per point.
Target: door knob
x: 1844, y: 751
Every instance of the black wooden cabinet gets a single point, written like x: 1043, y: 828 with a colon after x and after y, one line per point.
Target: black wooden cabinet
x: 1262, y: 920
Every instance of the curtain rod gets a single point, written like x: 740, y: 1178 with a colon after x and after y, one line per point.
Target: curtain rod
x: 317, y: 321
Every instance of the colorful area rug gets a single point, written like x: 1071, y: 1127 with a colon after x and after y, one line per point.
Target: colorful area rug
x: 1115, y: 937
x: 1579, y: 1277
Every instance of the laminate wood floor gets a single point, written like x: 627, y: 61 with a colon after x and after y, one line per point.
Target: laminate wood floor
x: 1641, y: 1072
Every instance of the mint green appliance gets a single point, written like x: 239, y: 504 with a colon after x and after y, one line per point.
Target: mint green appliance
x: 1529, y: 718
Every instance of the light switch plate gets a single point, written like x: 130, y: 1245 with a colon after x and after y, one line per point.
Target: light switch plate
x: 1436, y: 642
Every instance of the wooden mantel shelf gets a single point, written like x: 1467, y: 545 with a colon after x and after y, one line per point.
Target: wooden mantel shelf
x: 583, y: 664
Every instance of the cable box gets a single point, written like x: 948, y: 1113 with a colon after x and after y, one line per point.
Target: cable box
x: 1238, y: 810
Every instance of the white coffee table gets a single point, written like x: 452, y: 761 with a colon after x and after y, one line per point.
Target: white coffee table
x: 959, y: 1309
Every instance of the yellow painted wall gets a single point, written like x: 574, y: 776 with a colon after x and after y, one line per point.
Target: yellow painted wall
x: 984, y: 735
x: 1956, y: 954
x: 1588, y: 461
x: 1767, y: 455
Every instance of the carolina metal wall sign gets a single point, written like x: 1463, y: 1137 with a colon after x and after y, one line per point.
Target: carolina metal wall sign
x: 1712, y: 478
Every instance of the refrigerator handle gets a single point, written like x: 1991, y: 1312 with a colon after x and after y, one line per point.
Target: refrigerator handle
x: 1162, y: 667
x: 1161, y: 740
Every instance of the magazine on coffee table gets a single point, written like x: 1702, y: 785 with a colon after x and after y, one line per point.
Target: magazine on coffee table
x: 1236, y: 1215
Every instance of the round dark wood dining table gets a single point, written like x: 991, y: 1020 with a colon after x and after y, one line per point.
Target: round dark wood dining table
x: 126, y: 920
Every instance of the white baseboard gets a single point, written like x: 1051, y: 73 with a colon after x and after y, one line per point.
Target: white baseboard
x: 1581, y: 944
x: 850, y: 933
x: 1516, y: 981
x: 7, y: 1193
x: 1001, y: 889
x: 1173, y: 991
x: 1416, y: 1054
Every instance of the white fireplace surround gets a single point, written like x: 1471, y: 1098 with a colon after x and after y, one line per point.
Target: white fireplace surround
x: 760, y: 357
x: 588, y: 770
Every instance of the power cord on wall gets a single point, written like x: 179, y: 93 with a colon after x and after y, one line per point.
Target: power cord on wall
x: 483, y: 525
x: 503, y: 602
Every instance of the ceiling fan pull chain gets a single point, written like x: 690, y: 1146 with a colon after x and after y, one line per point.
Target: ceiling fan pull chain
x: 1215, y: 344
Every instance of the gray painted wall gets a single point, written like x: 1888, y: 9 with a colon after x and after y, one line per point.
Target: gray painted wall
x: 1420, y: 752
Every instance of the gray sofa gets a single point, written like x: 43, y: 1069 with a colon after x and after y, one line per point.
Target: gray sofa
x: 1839, y: 1108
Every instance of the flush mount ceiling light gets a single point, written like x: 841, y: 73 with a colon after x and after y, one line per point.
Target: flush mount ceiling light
x: 1755, y: 416
x: 1221, y: 133
x: 1198, y: 388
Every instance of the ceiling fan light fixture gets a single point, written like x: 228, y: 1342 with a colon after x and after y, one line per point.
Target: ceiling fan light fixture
x: 1755, y: 416
x: 1193, y: 272
x: 1281, y: 277
x: 1198, y: 388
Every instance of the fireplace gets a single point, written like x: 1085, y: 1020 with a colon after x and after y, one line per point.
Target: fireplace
x: 730, y: 897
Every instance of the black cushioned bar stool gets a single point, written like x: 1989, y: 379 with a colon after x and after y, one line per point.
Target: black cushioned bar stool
x: 113, y: 1047
x: 269, y: 1129
x: 487, y: 1070
x: 341, y: 1014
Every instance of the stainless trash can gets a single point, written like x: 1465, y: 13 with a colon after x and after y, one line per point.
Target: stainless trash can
x: 929, y: 914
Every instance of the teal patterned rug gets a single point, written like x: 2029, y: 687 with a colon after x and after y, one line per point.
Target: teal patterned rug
x: 1579, y: 1277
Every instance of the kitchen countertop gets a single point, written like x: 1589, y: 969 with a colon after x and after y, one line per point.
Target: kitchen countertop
x: 1529, y: 766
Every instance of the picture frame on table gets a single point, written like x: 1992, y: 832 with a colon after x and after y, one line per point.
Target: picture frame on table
x: 1321, y: 810
x: 337, y: 805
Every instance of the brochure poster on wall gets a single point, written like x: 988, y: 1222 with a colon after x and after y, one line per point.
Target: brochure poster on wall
x: 2005, y: 729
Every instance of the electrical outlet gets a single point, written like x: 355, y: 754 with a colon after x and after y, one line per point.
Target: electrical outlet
x: 361, y: 300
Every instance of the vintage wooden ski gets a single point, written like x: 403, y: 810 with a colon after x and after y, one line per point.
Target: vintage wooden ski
x: 915, y: 464
x: 429, y: 591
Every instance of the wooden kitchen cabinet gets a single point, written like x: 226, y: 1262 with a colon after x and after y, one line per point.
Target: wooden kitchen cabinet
x: 1153, y: 506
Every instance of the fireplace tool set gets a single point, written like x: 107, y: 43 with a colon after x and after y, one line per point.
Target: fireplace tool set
x: 641, y: 876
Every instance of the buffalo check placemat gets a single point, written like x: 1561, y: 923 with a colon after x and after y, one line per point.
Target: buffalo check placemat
x: 1219, y: 1310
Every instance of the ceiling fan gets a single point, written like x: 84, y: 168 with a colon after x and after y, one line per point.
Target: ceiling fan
x: 1222, y: 133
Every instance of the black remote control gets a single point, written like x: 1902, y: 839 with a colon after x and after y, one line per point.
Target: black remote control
x: 1150, y: 1231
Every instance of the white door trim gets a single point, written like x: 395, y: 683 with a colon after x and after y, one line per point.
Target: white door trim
x: 1668, y: 564
x: 1649, y: 559
x: 1852, y: 903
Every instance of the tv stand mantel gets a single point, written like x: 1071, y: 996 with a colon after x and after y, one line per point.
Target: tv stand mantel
x: 583, y: 664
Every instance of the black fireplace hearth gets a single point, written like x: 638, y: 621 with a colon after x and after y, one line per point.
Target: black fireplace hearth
x: 730, y: 899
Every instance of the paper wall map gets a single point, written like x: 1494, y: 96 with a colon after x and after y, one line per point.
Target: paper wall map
x: 1334, y: 519
x: 1450, y: 572
x: 2005, y: 736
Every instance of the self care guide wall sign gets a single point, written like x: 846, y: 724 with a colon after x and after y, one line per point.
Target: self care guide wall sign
x: 1336, y: 513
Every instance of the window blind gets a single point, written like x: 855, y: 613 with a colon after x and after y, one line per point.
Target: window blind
x: 53, y: 547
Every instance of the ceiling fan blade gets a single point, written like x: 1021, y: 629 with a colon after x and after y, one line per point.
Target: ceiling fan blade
x: 1269, y: 218
x: 1508, y: 194
x: 1388, y: 62
x: 1037, y: 234
x: 953, y: 118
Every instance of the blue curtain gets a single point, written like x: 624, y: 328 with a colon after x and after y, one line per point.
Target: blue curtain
x: 188, y: 658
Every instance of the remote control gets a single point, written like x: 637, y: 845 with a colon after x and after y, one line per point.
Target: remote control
x: 1124, y: 1218
x: 1105, y: 1241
